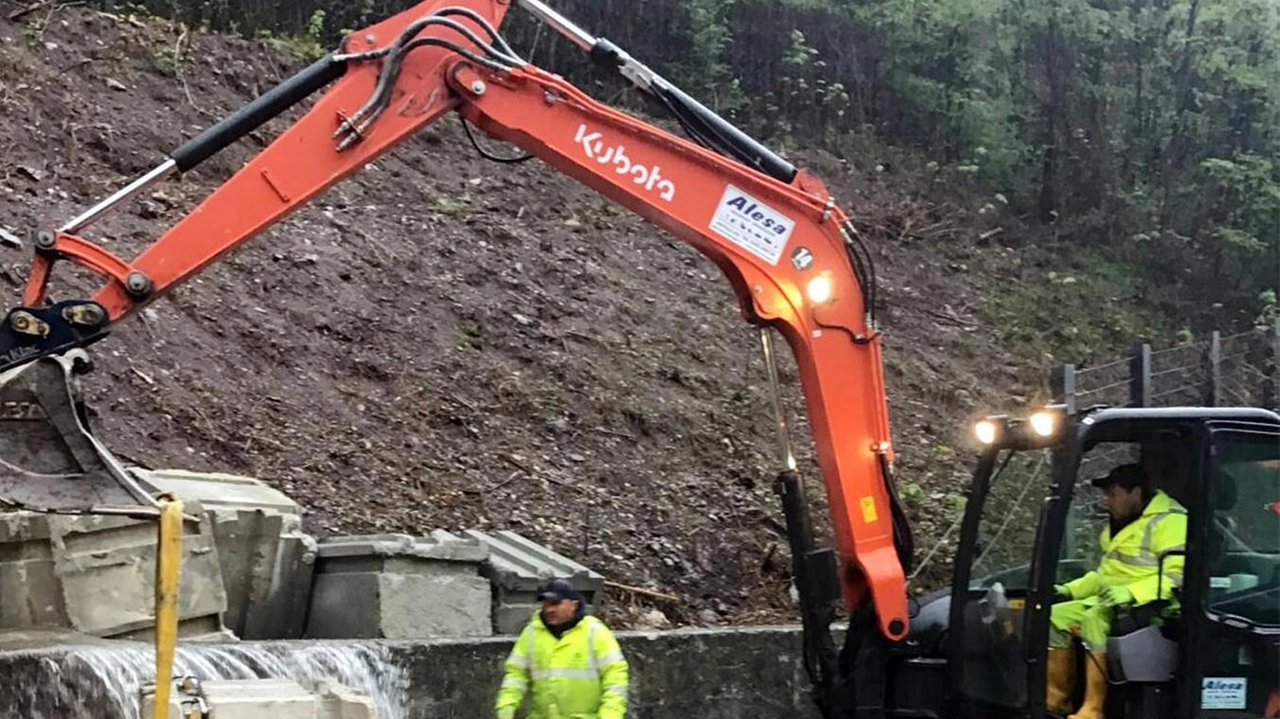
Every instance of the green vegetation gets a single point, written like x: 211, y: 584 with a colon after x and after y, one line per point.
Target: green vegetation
x: 1094, y: 311
x: 1141, y: 135
x: 307, y: 45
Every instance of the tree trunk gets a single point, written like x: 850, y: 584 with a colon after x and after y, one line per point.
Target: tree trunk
x: 1180, y: 142
x: 1052, y: 114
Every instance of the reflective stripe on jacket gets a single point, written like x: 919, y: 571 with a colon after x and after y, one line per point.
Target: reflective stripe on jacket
x: 581, y: 675
x: 1132, y: 558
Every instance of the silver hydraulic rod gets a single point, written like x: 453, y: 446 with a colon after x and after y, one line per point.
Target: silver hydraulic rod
x: 560, y: 23
x: 787, y: 456
x: 704, y: 125
x: 138, y: 185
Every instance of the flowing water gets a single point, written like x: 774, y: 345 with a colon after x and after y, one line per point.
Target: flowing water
x: 104, y: 682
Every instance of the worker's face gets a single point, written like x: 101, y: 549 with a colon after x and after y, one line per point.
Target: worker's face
x: 1123, y: 503
x: 558, y: 611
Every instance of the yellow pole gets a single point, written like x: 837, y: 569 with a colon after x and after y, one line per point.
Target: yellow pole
x: 168, y: 573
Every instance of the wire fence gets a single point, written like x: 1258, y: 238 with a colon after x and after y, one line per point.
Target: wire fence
x: 1239, y: 370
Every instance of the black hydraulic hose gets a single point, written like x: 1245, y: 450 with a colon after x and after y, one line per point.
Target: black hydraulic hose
x: 903, y: 537
x: 816, y: 583
x: 730, y: 139
x: 505, y: 55
x: 495, y: 59
x: 489, y: 30
x: 734, y: 142
x: 499, y: 65
x: 251, y: 116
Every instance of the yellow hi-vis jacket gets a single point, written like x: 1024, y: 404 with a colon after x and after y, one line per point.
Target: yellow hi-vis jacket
x: 1132, y: 557
x: 581, y: 675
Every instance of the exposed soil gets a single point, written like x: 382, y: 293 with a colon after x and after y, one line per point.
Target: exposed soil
x: 446, y: 342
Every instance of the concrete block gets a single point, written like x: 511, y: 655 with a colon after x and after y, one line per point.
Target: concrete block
x: 341, y: 702
x: 441, y: 546
x: 267, y: 561
x: 399, y: 587
x: 267, y: 568
x: 263, y: 699
x: 96, y: 575
x: 240, y: 699
x: 510, y: 617
x: 216, y: 490
x: 517, y: 566
x: 29, y: 588
x: 287, y: 588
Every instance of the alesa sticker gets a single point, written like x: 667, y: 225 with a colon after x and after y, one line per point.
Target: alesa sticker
x: 752, y: 225
x: 1223, y: 693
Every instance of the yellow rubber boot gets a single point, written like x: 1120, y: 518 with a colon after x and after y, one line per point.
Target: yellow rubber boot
x: 1061, y: 667
x: 1095, y: 693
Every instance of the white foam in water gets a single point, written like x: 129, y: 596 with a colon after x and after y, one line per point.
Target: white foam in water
x: 124, y: 670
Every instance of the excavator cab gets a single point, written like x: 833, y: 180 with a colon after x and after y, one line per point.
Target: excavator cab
x: 1033, y: 520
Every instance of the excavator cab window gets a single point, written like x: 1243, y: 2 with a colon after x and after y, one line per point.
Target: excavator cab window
x: 1087, y: 515
x: 992, y: 668
x: 1007, y: 531
x: 1166, y: 454
x: 1240, y: 673
x: 998, y: 548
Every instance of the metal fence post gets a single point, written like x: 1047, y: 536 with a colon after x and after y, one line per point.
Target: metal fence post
x: 1062, y: 384
x: 1140, y: 376
x: 1213, y: 371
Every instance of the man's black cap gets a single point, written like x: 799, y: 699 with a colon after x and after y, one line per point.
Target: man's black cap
x: 558, y: 589
x: 1127, y: 476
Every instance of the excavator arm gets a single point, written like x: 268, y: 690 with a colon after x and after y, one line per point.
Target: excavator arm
x: 791, y: 256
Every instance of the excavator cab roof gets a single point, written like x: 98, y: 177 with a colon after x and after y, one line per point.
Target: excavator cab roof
x: 1098, y: 415
x: 1048, y: 427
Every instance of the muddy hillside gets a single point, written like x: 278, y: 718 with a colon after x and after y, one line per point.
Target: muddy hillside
x: 447, y: 342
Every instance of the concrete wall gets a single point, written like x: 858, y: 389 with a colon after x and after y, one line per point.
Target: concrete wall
x: 709, y: 674
x: 704, y: 673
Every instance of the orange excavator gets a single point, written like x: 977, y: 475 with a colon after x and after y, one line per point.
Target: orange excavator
x: 798, y: 266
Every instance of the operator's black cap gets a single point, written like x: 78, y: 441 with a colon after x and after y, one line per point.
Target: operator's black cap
x: 1127, y: 476
x: 558, y: 589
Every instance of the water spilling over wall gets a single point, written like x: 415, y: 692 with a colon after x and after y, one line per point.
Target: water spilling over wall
x: 103, y: 682
x: 753, y: 673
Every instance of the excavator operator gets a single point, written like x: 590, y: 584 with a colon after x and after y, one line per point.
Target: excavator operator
x: 1144, y: 524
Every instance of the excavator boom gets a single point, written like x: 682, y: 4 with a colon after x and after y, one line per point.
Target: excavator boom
x: 791, y: 256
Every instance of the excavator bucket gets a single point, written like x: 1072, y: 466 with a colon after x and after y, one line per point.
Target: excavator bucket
x: 49, y: 461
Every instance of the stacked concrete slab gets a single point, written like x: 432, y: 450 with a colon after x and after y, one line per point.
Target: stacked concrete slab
x: 516, y: 568
x: 266, y: 559
x: 96, y: 575
x: 394, y: 586
x: 263, y: 699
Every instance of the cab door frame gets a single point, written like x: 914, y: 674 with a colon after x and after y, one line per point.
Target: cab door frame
x: 1195, y: 611
x: 1133, y: 429
x: 1035, y: 613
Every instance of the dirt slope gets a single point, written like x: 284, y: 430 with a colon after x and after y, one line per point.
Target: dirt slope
x: 448, y: 342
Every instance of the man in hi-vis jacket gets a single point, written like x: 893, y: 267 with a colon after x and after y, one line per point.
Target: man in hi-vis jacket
x: 566, y: 661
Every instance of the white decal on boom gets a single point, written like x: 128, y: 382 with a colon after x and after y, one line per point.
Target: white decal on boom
x: 650, y: 177
x: 752, y: 225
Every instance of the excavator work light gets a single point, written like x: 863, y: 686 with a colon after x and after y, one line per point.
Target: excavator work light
x: 1044, y: 423
x: 819, y: 289
x: 1039, y: 429
x: 987, y: 431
